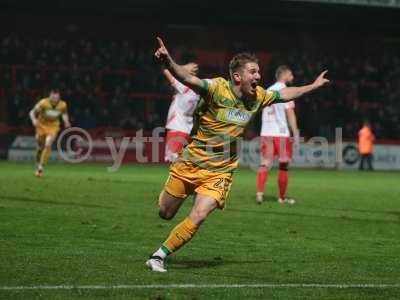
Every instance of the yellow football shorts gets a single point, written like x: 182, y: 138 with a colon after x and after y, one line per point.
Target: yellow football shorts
x: 43, y: 131
x: 186, y: 178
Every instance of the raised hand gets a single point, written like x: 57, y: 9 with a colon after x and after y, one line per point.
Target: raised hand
x: 181, y: 73
x: 161, y: 53
x: 321, y: 80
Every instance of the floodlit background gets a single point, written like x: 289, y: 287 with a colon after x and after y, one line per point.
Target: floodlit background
x: 82, y: 226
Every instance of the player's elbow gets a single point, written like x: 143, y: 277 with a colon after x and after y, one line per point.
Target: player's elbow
x: 188, y: 80
x: 284, y: 95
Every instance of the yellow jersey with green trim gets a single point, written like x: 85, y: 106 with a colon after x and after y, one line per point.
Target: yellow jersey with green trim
x: 222, y: 118
x: 48, y: 114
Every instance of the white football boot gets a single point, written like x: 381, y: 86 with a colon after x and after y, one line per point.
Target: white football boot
x: 156, y: 264
x: 286, y: 200
x: 259, y: 197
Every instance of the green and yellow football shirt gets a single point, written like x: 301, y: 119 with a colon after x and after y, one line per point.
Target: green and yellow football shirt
x: 222, y: 120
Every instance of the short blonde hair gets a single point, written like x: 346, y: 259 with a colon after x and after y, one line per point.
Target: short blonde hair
x: 280, y: 70
x: 239, y: 61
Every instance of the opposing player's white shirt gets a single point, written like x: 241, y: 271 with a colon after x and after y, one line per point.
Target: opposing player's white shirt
x: 180, y: 113
x: 274, y: 121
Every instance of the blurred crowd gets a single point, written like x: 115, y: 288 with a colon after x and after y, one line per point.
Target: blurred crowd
x: 118, y: 84
x: 97, y: 79
x: 364, y: 86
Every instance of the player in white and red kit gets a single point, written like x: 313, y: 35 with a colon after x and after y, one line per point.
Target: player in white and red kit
x: 180, y: 115
x: 275, y: 138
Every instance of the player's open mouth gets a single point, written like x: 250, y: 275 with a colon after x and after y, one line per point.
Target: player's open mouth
x: 254, y: 84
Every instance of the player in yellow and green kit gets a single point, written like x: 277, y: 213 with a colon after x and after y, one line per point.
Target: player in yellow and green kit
x: 45, y: 117
x: 205, y: 166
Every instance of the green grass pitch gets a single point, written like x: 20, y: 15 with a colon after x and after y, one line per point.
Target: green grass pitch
x: 82, y: 226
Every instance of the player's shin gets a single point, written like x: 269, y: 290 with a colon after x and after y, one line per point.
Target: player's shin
x: 180, y: 235
x: 262, y: 175
x: 40, y: 146
x: 283, y: 179
x: 44, y: 158
x: 38, y: 155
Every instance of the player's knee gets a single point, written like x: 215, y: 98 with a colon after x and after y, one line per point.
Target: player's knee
x: 165, y: 214
x: 283, y: 166
x: 49, y: 141
x: 41, y: 142
x: 266, y: 163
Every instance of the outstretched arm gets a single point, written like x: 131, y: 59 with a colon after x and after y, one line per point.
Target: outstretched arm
x: 291, y: 93
x: 67, y: 123
x: 167, y: 74
x: 32, y: 115
x: 292, y: 120
x: 180, y: 72
x: 192, y: 68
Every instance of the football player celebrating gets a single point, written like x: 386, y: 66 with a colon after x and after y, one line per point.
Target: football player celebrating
x: 206, y: 164
x: 275, y: 137
x: 45, y: 117
x: 180, y: 114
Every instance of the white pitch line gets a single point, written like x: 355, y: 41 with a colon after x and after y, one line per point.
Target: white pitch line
x: 206, y: 286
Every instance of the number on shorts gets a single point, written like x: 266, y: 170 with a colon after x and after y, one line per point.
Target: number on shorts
x: 218, y: 183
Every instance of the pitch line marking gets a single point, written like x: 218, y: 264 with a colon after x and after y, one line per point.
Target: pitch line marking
x: 208, y: 286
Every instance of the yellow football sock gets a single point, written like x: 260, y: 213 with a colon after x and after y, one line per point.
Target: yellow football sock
x: 44, y: 158
x: 180, y: 235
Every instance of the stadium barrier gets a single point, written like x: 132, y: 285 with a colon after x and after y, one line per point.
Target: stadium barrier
x: 116, y: 146
x: 329, y: 156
